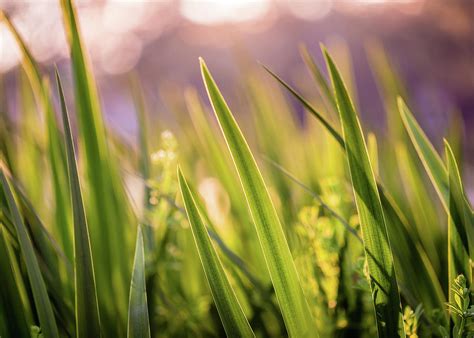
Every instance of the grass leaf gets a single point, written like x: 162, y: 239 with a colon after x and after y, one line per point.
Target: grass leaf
x: 38, y: 287
x: 138, y: 322
x: 234, y: 321
x: 429, y: 157
x: 383, y: 281
x: 294, y: 307
x: 87, y: 310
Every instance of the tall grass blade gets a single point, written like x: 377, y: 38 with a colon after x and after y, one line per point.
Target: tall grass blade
x: 460, y: 224
x: 234, y: 320
x: 429, y: 157
x: 383, y: 281
x: 87, y: 309
x: 138, y: 322
x: 40, y: 295
x: 294, y: 307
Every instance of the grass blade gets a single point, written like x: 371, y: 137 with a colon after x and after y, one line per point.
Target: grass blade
x: 38, y: 287
x: 460, y: 224
x: 87, y: 310
x: 230, y: 311
x: 383, y: 281
x: 429, y: 157
x: 138, y: 322
x: 294, y: 307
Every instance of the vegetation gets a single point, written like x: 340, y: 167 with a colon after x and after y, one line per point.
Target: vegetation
x: 280, y: 227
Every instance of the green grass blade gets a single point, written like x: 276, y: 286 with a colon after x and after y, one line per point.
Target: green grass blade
x: 460, y: 224
x: 138, y: 322
x: 38, y: 287
x: 87, y: 310
x: 230, y: 311
x: 337, y: 136
x: 294, y: 307
x: 429, y: 157
x: 318, y: 77
x: 377, y: 246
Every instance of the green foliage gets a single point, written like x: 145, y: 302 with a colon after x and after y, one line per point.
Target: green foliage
x: 214, y: 259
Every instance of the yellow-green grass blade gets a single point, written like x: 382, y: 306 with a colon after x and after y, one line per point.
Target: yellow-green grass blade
x: 294, y: 307
x: 429, y: 157
x: 318, y: 77
x: 55, y: 146
x: 460, y: 225
x: 383, y: 281
x: 138, y: 322
x: 110, y: 217
x: 231, y: 314
x: 86, y: 306
x: 43, y: 305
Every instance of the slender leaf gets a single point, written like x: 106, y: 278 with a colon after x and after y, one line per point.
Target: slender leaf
x: 383, y: 281
x: 429, y: 157
x: 234, y: 320
x: 138, y: 322
x: 40, y: 294
x: 294, y: 307
x: 87, y: 309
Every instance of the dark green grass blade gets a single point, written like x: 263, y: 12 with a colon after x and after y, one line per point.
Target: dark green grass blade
x: 38, y: 287
x: 429, y: 157
x: 138, y: 322
x: 87, y: 310
x: 16, y: 319
x: 294, y: 307
x: 230, y: 311
x: 377, y: 246
x: 460, y: 224
x: 310, y: 108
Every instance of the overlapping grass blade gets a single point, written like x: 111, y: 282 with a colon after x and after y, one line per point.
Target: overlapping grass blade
x: 108, y: 208
x: 309, y: 107
x: 87, y: 309
x: 429, y: 157
x: 230, y: 311
x: 43, y: 305
x: 383, y: 281
x: 294, y: 307
x: 138, y: 322
x: 460, y: 225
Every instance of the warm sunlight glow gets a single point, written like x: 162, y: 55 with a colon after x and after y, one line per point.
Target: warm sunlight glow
x: 219, y: 11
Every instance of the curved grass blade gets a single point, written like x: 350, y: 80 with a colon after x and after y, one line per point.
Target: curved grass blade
x: 294, y: 307
x: 383, y: 281
x: 311, y: 109
x: 138, y: 322
x: 38, y: 287
x: 318, y: 76
x: 87, y: 309
x: 231, y: 314
x: 460, y: 224
x: 429, y: 157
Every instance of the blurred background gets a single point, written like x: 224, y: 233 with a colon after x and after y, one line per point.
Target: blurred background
x: 430, y: 42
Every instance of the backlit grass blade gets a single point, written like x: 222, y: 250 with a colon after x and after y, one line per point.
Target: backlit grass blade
x: 294, y: 307
x: 460, y: 224
x: 429, y: 157
x: 38, y: 287
x: 87, y: 310
x: 309, y: 107
x: 230, y: 311
x: 383, y: 281
x: 318, y: 76
x: 138, y: 322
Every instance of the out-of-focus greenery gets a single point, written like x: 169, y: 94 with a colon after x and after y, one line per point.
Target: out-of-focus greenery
x: 273, y: 227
